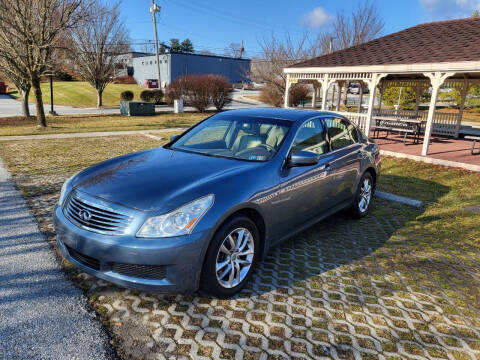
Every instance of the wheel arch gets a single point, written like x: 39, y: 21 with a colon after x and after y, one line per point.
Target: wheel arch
x: 248, y: 211
x: 372, y: 172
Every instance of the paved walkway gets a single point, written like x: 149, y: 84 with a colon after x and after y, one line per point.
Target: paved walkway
x: 42, y: 315
x: 88, y: 134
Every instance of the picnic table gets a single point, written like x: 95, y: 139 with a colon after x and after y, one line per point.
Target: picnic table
x: 474, y: 139
x: 406, y: 125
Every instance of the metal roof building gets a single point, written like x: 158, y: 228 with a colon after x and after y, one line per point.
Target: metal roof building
x: 173, y: 65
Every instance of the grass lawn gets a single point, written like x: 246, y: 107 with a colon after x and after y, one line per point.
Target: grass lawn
x: 402, y: 281
x: 82, y: 94
x: 90, y: 123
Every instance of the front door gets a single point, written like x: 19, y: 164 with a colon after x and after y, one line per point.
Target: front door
x: 304, y: 190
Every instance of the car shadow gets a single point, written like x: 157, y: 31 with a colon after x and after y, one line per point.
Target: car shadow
x: 337, y: 241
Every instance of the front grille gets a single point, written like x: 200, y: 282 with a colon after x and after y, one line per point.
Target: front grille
x: 95, y: 217
x: 153, y: 272
x: 84, y: 259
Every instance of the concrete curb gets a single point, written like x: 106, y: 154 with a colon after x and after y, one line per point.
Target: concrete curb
x: 399, y: 199
x: 430, y: 160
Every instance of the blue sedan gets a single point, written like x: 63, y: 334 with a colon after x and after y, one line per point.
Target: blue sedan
x: 201, y: 211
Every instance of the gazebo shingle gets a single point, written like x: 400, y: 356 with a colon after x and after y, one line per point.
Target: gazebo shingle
x: 436, y: 42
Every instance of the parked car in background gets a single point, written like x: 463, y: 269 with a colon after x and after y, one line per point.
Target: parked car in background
x: 203, y: 210
x: 244, y: 85
x: 355, y: 89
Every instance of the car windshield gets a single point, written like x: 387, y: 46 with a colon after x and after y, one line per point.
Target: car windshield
x: 236, y: 137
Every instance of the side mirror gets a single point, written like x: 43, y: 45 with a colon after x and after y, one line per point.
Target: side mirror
x: 303, y: 158
x: 174, y: 137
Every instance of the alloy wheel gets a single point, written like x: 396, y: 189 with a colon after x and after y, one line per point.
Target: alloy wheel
x: 235, y: 258
x: 365, y: 195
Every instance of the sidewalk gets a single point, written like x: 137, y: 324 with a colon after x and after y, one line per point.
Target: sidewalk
x: 42, y: 314
x: 88, y: 134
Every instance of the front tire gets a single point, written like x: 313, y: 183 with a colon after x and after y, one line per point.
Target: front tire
x: 363, y: 196
x: 231, y: 257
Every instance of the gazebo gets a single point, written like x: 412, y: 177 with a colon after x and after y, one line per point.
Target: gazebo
x: 431, y: 55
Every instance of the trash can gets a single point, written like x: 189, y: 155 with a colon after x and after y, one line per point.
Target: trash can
x: 178, y: 106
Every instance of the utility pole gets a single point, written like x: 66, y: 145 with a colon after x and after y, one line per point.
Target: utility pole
x: 242, y: 49
x: 154, y: 9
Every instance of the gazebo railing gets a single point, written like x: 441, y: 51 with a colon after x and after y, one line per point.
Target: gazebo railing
x: 443, y: 123
x: 357, y: 118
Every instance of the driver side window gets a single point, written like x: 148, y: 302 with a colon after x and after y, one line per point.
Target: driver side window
x: 311, y: 137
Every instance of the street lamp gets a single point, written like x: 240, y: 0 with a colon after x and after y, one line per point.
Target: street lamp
x: 51, y: 112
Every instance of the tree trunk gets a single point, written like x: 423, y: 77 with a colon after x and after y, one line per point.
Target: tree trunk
x: 99, y: 98
x: 25, y: 93
x: 39, y: 103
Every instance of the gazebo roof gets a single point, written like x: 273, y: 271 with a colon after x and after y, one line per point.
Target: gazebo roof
x: 437, y: 42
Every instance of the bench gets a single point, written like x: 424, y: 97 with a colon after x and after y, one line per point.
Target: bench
x: 401, y: 126
x: 396, y: 129
x: 475, y: 139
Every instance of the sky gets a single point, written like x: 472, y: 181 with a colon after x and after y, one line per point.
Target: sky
x: 214, y: 24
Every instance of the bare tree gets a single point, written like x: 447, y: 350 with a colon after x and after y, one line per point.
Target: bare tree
x: 29, y: 34
x: 95, y: 46
x: 235, y: 50
x: 276, y: 55
x: 361, y: 25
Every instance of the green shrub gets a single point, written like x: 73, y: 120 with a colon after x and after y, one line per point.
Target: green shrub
x: 156, y: 96
x: 127, y: 95
x: 146, y: 95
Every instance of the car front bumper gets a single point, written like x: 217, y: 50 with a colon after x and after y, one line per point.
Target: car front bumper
x: 170, y: 265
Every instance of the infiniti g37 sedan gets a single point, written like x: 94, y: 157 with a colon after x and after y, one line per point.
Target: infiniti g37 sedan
x: 201, y: 211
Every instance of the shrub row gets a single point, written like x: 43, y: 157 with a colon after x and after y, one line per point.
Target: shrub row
x: 200, y: 91
x: 273, y: 94
x: 155, y: 95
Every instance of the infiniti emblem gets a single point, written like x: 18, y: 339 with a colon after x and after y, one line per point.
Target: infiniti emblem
x: 84, y: 215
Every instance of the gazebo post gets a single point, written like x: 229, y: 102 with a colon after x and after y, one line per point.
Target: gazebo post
x: 463, y: 94
x: 359, y: 110
x: 325, y: 86
x: 286, y: 99
x: 372, y: 86
x: 339, y: 95
x: 436, y: 79
x: 314, y: 96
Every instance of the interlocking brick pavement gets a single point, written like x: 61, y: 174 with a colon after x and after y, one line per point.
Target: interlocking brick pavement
x: 343, y: 289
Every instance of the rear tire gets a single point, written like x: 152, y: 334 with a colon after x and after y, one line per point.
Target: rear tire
x: 231, y: 257
x: 363, y: 196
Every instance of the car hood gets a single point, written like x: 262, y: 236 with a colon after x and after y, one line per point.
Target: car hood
x: 159, y: 179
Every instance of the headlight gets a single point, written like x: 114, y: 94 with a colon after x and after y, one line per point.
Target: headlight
x: 178, y: 222
x: 64, y: 190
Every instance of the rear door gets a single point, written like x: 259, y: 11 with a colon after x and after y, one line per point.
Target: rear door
x: 346, y: 158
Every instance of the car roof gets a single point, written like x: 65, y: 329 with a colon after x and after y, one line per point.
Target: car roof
x: 279, y: 113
